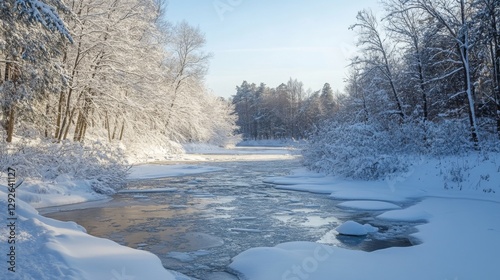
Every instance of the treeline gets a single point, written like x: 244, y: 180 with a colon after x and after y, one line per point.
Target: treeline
x: 426, y: 80
x: 428, y: 60
x: 285, y: 112
x: 106, y: 70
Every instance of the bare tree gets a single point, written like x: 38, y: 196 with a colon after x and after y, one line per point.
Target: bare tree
x: 187, y: 63
x: 407, y: 27
x: 488, y: 16
x: 377, y: 53
x: 455, y: 17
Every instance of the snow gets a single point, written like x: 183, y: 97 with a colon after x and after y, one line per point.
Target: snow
x: 63, y: 190
x: 459, y: 242
x: 152, y: 171
x: 455, y: 198
x: 51, y: 249
x: 354, y: 228
x: 202, y: 148
x: 415, y: 215
x: 371, y: 205
x: 271, y: 143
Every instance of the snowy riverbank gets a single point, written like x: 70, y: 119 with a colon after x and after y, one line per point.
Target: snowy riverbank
x: 45, y: 248
x: 458, y: 201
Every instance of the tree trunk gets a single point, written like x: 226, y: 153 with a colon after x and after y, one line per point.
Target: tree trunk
x: 422, y: 88
x: 495, y: 53
x: 114, y: 129
x: 47, y: 112
x: 10, y: 123
x: 107, y: 126
x: 464, y: 53
x: 121, y: 131
x: 497, y: 94
x: 81, y: 137
x: 66, y: 130
x: 59, y: 114
x: 78, y: 127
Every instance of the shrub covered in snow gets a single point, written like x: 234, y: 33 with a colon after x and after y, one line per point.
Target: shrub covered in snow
x: 376, y: 150
x: 101, y: 164
x: 355, y: 151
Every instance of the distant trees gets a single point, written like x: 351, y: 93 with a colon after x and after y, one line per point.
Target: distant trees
x: 426, y: 81
x: 286, y: 111
x: 438, y: 59
x: 119, y: 72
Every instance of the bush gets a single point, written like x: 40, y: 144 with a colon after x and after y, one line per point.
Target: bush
x: 356, y: 151
x: 374, y: 151
x: 96, y: 162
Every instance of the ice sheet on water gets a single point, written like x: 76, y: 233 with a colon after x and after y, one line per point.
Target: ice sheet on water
x: 317, y: 221
x: 187, y: 256
x: 369, y: 205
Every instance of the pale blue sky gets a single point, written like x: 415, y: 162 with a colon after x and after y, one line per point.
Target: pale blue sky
x: 271, y: 41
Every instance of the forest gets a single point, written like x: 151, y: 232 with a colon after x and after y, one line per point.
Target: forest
x: 285, y: 112
x: 116, y: 74
x: 118, y: 77
x: 425, y: 81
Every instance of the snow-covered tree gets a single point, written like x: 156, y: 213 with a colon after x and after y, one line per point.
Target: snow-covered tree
x: 187, y: 65
x: 29, y: 50
x: 456, y: 18
x: 377, y: 55
x: 443, y: 62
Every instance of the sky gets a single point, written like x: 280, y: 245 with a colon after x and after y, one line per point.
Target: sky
x: 275, y: 40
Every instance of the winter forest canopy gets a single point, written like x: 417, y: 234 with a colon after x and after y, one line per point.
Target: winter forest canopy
x: 76, y: 74
x: 284, y: 112
x: 108, y: 71
x: 426, y: 80
x: 119, y: 71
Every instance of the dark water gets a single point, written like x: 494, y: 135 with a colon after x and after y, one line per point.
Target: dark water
x: 202, y: 221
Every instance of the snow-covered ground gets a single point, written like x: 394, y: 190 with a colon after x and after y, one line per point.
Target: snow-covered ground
x: 457, y: 198
x: 271, y: 143
x: 149, y: 171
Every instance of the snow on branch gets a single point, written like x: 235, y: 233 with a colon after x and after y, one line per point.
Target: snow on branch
x: 38, y: 11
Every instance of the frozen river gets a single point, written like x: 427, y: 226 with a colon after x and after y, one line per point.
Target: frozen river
x: 195, y: 224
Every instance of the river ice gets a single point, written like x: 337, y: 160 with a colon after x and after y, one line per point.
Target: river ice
x: 200, y: 222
